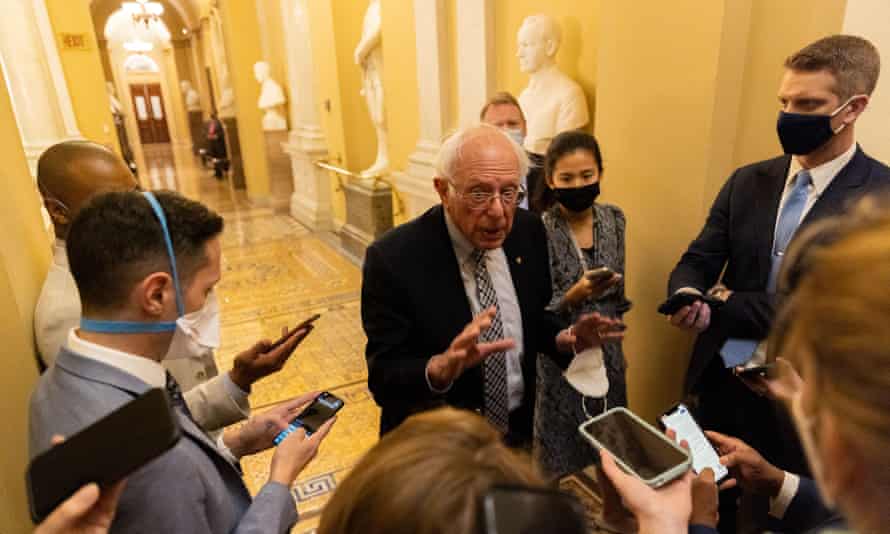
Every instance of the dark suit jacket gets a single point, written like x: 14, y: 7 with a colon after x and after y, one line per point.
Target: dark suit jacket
x: 414, y: 305
x: 190, y: 488
x: 738, y: 234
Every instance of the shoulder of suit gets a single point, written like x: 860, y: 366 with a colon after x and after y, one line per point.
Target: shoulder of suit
x: 411, y: 236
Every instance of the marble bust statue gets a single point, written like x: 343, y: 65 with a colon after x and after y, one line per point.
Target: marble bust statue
x: 271, y: 98
x: 192, y: 100
x: 552, y: 102
x: 116, y: 108
x: 369, y: 56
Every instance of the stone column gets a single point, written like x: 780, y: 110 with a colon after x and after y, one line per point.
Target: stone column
x: 436, y: 110
x: 36, y: 80
x: 476, y: 48
x: 311, y: 201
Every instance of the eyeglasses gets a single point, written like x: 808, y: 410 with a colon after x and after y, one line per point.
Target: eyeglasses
x: 479, y: 200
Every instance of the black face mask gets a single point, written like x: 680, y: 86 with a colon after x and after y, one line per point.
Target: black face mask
x: 578, y: 198
x: 803, y: 133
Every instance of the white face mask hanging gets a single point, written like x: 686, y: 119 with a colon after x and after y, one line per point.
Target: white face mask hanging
x: 197, y: 332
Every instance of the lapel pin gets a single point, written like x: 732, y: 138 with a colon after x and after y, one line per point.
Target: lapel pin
x: 519, y: 260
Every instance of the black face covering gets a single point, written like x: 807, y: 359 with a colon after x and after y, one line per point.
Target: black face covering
x: 578, y: 198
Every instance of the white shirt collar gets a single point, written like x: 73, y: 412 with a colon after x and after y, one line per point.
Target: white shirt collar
x: 824, y: 174
x: 149, y: 371
x: 463, y: 249
x: 60, y: 254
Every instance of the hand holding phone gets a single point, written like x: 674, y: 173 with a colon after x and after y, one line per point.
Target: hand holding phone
x: 601, y: 275
x: 678, y: 301
x: 286, y: 335
x: 264, y: 359
x: 324, y: 407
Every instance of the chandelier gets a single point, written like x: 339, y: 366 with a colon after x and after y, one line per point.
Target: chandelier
x: 144, y: 11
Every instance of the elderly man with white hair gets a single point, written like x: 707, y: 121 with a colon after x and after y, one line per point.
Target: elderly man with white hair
x: 453, y: 302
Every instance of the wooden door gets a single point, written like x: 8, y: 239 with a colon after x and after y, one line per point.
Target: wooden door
x: 151, y: 116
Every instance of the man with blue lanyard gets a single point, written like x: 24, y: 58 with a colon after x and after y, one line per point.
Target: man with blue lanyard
x: 141, y: 261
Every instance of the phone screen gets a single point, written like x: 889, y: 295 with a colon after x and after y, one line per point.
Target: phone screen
x: 643, y: 451
x: 316, y: 414
x: 703, y: 454
x: 509, y: 510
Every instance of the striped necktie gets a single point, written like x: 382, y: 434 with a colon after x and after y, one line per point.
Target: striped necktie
x: 497, y: 410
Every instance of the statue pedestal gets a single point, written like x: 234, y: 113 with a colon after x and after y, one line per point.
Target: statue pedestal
x: 196, y: 129
x: 280, y: 183
x: 310, y: 203
x: 368, y: 216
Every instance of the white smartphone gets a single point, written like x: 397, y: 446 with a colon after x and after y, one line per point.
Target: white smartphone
x: 638, y: 447
x: 680, y: 420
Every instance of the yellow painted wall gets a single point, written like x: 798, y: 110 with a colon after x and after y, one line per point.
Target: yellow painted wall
x: 577, y: 57
x: 400, y: 80
x: 182, y: 56
x: 656, y: 128
x: 241, y: 30
x: 24, y: 257
x: 83, y: 71
x: 778, y: 29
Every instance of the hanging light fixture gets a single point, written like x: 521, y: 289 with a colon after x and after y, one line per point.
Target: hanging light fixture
x: 144, y: 11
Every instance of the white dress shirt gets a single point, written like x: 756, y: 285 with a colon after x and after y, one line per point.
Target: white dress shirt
x: 58, y: 307
x: 778, y: 505
x: 822, y: 176
x: 508, y: 302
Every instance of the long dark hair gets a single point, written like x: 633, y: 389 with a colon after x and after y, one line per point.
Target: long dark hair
x: 561, y: 146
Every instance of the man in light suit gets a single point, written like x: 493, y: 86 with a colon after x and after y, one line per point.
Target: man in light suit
x: 140, y: 261
x: 825, y: 88
x: 68, y: 175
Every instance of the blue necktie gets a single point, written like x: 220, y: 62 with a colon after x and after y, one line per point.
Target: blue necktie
x: 739, y: 351
x: 789, y: 220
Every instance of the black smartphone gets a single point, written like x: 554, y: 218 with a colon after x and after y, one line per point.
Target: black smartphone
x: 680, y: 420
x: 677, y: 301
x: 520, y: 510
x: 104, y: 452
x: 757, y: 370
x: 325, y: 406
x: 297, y: 328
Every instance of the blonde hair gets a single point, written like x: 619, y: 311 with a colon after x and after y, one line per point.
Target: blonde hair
x: 426, y: 477
x: 837, y: 321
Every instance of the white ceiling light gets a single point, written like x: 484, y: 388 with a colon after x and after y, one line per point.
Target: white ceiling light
x: 144, y: 11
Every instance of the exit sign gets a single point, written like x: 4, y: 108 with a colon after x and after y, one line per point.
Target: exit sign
x: 74, y: 41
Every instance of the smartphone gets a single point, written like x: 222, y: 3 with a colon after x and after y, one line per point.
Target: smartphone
x: 677, y: 301
x: 680, y: 420
x: 104, y: 452
x: 296, y: 329
x: 638, y: 447
x: 757, y: 370
x: 521, y: 510
x: 325, y: 406
x: 599, y: 274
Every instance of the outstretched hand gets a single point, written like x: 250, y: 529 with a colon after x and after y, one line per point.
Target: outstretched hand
x: 465, y: 351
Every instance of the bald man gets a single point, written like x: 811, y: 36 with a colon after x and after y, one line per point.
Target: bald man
x: 68, y: 175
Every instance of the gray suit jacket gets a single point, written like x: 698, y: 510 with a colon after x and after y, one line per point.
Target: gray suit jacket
x: 192, y: 488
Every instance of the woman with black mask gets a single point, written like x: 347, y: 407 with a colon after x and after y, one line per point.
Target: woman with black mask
x: 583, y: 236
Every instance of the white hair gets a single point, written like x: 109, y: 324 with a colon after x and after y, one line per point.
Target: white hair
x: 452, y: 148
x: 549, y: 27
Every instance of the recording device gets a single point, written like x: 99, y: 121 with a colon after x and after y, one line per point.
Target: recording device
x: 638, y: 448
x: 678, y: 301
x: 757, y: 370
x: 287, y: 335
x: 680, y: 420
x: 600, y: 274
x: 519, y: 510
x: 325, y: 406
x: 104, y: 452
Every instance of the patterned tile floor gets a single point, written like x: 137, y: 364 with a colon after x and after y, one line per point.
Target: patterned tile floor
x: 277, y: 273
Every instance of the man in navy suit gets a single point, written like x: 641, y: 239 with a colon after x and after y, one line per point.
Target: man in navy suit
x: 454, y: 302
x: 825, y: 88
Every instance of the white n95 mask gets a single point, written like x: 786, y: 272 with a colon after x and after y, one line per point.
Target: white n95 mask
x: 587, y: 373
x: 197, y: 332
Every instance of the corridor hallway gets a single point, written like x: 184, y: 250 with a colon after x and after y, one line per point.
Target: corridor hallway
x: 277, y: 273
